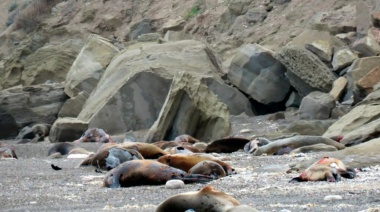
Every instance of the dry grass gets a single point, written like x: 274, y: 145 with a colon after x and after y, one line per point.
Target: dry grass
x: 30, y: 17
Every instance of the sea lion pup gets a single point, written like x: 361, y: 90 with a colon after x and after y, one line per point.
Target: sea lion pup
x: 208, y: 167
x: 186, y: 162
x: 206, y: 200
x: 7, y: 151
x: 226, y: 145
x: 62, y: 148
x: 40, y: 131
x: 254, y: 144
x: 147, y: 172
x: 112, y: 157
x: 329, y: 169
x: 294, y: 143
x: 94, y: 135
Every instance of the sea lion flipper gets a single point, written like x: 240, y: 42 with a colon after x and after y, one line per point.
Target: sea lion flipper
x: 199, y: 178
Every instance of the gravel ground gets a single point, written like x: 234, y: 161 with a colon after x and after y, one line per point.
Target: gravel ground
x: 30, y: 184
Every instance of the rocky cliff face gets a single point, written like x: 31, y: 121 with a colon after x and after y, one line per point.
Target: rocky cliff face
x: 116, y: 60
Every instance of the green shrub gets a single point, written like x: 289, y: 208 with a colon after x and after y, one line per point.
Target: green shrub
x: 193, y: 12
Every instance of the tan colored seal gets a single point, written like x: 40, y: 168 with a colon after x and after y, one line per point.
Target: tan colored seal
x: 207, y: 199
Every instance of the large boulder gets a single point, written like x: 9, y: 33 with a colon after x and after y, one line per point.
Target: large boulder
x: 50, y: 63
x: 89, y: 65
x: 67, y: 129
x: 362, y: 134
x: 357, y: 117
x: 335, y: 21
x: 190, y: 108
x: 370, y: 80
x: 257, y: 73
x: 22, y: 106
x: 317, y: 105
x: 134, y: 87
x: 361, y: 67
x: 306, y: 71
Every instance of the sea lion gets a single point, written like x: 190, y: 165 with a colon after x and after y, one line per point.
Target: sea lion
x: 33, y: 134
x: 62, y: 147
x: 94, y: 135
x: 295, y: 142
x: 179, y: 150
x: 329, y: 169
x: 318, y: 172
x: 226, y: 145
x: 206, y: 200
x: 148, y: 151
x: 185, y: 139
x: 112, y: 157
x: 254, y: 144
x: 7, y: 151
x: 186, y: 162
x: 147, y: 172
x: 208, y: 167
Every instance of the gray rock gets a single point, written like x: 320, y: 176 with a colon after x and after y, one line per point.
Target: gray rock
x: 362, y: 134
x: 174, y: 184
x: 314, y: 148
x: 67, y: 129
x: 336, y: 21
x: 256, y: 15
x: 356, y: 118
x: 148, y: 37
x: 306, y: 71
x: 73, y: 106
x: 309, y: 127
x: 134, y: 87
x: 343, y: 58
x: 255, y: 71
x: 140, y: 28
x: 332, y: 197
x: 294, y: 100
x: 322, y: 48
x: 22, y: 106
x: 316, y: 105
x: 363, y: 19
x: 89, y: 65
x: 367, y: 46
x: 190, y: 108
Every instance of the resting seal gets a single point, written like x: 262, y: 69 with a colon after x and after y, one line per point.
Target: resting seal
x: 147, y: 172
x: 328, y: 169
x: 208, y: 167
x: 206, y: 200
x: 186, y: 162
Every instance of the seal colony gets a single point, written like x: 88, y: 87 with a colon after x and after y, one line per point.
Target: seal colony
x: 187, y: 159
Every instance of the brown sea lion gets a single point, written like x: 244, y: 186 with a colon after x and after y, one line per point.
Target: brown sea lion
x: 148, y: 151
x: 206, y: 200
x: 208, y: 167
x: 186, y: 162
x: 147, y: 172
x: 95, y: 135
x: 329, y: 169
x: 62, y: 147
x: 112, y: 157
x: 226, y: 145
x: 7, y: 151
x: 254, y: 144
